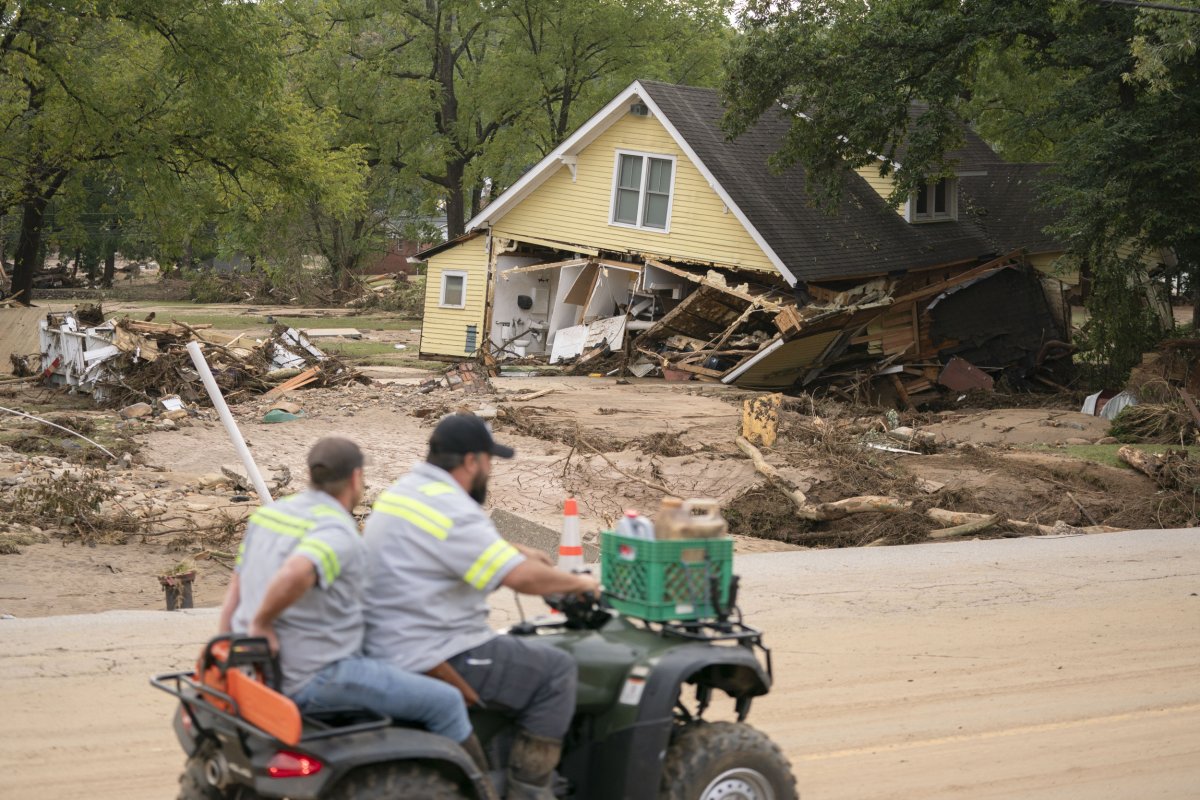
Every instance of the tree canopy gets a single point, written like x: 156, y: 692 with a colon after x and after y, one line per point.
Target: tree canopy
x: 1109, y: 94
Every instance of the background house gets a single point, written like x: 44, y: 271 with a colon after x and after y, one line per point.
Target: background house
x: 649, y: 202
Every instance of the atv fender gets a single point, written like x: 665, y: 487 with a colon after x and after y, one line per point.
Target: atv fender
x: 637, y: 752
x: 343, y: 754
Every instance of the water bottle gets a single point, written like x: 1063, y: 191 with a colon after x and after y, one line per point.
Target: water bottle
x: 635, y: 526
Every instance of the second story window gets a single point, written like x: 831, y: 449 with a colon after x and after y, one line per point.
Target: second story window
x: 642, y: 191
x: 937, y: 201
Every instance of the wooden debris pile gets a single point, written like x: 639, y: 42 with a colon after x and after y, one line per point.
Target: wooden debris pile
x: 121, y: 361
x: 896, y: 339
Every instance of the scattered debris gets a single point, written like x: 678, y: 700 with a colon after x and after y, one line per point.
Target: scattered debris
x: 467, y: 376
x: 899, y: 338
x: 130, y: 361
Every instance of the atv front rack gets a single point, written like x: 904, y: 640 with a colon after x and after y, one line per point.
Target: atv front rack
x: 714, y: 631
x: 189, y: 691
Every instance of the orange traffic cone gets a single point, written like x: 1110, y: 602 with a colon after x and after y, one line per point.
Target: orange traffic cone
x: 570, y: 549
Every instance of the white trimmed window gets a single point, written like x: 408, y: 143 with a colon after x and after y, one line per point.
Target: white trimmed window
x: 937, y: 202
x: 454, y: 289
x: 642, y: 190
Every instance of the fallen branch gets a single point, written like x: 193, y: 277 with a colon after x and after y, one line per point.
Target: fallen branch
x: 535, y: 395
x: 655, y: 486
x: 967, y: 528
x: 1082, y: 510
x: 821, y: 512
x: 772, y: 475
x: 1146, y: 463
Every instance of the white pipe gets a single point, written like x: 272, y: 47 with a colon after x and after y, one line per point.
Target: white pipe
x: 218, y: 401
x: 754, y: 359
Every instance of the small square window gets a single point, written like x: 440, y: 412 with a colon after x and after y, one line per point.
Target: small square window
x: 454, y: 290
x: 935, y: 202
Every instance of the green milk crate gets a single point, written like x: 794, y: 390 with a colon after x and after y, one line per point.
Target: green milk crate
x: 665, y: 581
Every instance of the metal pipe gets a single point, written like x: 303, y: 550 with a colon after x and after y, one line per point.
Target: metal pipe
x: 218, y: 401
x: 61, y: 428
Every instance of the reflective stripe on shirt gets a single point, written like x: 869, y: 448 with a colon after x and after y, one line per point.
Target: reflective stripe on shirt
x: 492, y: 559
x: 425, y: 517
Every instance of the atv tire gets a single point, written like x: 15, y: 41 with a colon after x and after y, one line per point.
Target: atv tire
x: 732, y: 761
x: 394, y: 781
x: 193, y: 785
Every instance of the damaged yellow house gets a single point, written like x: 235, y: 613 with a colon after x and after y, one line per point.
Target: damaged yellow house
x: 648, y: 221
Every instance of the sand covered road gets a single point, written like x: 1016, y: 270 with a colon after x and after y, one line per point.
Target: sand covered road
x: 1027, y: 668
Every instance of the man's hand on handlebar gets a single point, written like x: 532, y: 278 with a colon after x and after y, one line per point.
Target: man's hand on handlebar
x: 587, y: 585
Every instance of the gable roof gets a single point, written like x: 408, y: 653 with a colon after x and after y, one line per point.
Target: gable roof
x: 1005, y: 203
x: 864, y: 237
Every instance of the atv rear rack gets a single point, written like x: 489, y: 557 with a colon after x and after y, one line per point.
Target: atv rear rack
x: 189, y: 691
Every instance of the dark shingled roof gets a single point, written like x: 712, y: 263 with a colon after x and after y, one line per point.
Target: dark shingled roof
x: 1006, y: 205
x: 864, y: 237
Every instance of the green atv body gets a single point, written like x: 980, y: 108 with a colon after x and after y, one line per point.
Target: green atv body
x: 638, y: 731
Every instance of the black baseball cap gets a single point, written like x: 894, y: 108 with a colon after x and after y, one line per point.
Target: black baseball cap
x: 465, y: 433
x: 333, y: 459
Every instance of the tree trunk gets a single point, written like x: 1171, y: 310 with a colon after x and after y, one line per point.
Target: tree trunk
x: 1194, y: 286
x: 110, y: 267
x: 75, y: 262
x: 456, y: 198
x: 29, y: 241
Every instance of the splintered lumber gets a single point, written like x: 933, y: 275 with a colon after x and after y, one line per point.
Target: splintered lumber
x: 303, y: 379
x: 967, y: 528
x: 692, y: 368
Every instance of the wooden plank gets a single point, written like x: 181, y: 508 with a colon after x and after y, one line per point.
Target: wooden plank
x: 573, y: 262
x: 700, y: 279
x: 712, y: 373
x: 303, y: 379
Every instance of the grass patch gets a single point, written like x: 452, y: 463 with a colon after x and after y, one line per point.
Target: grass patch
x: 240, y: 322
x: 380, y: 354
x: 1107, y: 453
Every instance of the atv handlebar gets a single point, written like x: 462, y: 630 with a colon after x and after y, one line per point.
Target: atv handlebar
x: 588, y: 611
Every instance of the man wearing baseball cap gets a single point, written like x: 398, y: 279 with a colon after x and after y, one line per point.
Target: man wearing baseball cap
x: 434, y: 557
x: 299, y: 582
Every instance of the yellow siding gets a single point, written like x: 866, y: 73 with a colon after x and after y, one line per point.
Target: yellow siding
x: 1150, y: 259
x: 1057, y: 265
x: 444, y: 330
x: 700, y: 227
x: 882, y: 186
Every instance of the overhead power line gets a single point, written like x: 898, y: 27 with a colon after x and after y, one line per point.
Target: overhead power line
x: 1150, y: 6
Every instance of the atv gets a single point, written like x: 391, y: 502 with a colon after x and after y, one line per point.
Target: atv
x: 638, y: 731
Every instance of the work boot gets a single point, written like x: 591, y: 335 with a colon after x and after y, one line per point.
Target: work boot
x: 531, y: 767
x: 475, y: 750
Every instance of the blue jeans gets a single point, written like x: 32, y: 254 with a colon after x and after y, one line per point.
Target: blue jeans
x: 371, y: 683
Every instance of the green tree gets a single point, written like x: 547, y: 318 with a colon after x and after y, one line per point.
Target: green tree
x: 176, y: 97
x: 1055, y: 79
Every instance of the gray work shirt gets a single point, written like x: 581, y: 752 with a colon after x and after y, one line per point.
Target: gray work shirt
x: 434, y: 556
x: 326, y: 624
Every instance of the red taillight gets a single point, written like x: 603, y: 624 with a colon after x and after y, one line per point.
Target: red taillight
x: 286, y: 764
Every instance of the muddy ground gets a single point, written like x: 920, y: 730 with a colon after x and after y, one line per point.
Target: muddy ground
x: 613, y: 446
